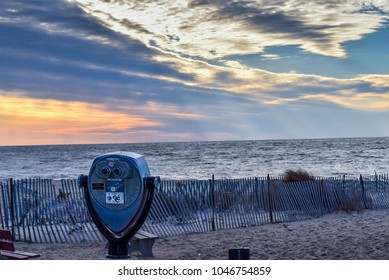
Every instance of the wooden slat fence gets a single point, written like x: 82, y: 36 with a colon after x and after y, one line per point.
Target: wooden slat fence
x: 37, y: 210
x: 181, y: 207
x: 40, y: 210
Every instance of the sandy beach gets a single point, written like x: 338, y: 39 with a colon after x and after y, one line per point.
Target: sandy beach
x: 337, y: 236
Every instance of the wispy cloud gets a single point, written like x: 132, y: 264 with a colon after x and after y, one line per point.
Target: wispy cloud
x: 191, y: 35
x: 215, y: 29
x: 366, y: 92
x: 270, y: 56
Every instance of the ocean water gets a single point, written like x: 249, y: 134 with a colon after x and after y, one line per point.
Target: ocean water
x: 199, y: 160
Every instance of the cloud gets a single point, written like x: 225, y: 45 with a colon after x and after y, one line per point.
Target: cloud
x: 365, y: 92
x: 82, y: 115
x: 216, y: 29
x: 57, y: 119
x: 270, y: 57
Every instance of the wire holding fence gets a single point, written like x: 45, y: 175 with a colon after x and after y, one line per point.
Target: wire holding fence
x: 40, y: 210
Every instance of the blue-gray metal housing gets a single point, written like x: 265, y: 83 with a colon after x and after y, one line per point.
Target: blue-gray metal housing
x: 116, y: 184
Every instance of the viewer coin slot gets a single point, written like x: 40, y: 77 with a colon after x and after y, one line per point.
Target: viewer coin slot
x: 98, y: 186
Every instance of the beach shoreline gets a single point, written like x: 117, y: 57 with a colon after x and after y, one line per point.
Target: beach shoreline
x: 362, y: 235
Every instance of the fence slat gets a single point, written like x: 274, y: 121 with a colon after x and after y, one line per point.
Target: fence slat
x: 36, y: 211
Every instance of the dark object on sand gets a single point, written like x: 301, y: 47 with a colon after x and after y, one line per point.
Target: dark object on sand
x: 297, y: 176
x: 239, y: 254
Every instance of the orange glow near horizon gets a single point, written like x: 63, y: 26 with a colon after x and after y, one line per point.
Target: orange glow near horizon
x: 28, y: 121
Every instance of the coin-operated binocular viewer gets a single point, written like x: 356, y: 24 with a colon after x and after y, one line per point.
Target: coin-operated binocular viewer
x: 118, y: 193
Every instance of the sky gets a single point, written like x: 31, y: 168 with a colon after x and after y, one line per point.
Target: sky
x: 125, y: 71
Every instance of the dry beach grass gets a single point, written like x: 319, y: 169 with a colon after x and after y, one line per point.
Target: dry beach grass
x: 338, y: 236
